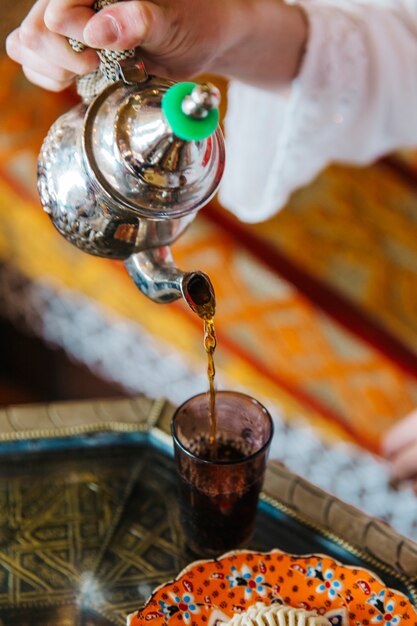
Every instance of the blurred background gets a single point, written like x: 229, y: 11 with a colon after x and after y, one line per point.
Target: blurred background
x: 316, y: 308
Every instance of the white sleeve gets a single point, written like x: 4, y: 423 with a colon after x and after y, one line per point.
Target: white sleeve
x: 354, y: 100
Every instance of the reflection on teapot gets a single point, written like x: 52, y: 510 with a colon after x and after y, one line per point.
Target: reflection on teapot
x: 124, y: 176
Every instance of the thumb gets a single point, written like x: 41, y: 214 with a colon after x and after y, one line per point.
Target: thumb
x: 128, y: 25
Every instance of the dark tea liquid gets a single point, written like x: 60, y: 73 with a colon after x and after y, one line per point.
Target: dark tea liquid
x: 218, y: 512
x: 203, y: 302
x: 210, y: 346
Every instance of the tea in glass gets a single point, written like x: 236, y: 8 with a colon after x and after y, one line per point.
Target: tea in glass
x: 220, y: 478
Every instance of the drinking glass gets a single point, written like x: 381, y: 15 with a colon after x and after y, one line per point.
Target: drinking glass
x: 220, y: 479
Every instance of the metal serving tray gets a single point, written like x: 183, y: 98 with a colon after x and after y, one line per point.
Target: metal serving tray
x: 89, y: 521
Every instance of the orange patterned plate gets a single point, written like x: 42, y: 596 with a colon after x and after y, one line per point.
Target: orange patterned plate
x: 208, y: 591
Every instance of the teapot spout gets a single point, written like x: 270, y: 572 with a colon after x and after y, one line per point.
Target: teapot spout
x: 157, y: 277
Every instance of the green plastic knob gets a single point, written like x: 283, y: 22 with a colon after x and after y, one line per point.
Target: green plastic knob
x: 186, y: 126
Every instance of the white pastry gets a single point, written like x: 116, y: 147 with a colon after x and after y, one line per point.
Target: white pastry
x: 261, y: 614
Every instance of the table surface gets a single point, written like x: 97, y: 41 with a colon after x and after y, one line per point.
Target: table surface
x: 90, y: 526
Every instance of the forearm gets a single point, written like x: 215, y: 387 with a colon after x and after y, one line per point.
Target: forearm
x: 267, y: 39
x: 355, y: 100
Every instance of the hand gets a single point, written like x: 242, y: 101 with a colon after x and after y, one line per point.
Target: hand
x: 47, y: 58
x: 260, y: 41
x: 399, y: 445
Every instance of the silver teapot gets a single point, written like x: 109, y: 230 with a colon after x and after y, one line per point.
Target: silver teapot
x: 123, y: 176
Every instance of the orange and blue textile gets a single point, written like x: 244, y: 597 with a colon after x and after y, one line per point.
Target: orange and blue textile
x: 316, y: 306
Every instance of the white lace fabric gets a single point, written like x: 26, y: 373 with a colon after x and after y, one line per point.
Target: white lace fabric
x: 354, y: 100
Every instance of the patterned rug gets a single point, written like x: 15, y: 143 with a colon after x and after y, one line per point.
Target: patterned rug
x: 316, y: 310
x: 316, y: 307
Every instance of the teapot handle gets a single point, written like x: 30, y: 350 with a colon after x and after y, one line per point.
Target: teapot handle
x: 191, y: 110
x: 90, y: 85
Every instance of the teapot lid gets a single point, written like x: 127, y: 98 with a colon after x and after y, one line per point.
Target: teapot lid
x: 155, y: 146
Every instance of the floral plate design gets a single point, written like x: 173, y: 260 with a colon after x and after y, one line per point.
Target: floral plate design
x: 210, y: 591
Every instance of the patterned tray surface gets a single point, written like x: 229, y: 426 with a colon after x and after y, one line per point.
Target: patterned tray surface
x: 88, y: 531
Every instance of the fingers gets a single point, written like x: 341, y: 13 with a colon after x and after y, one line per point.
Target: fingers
x: 51, y: 53
x: 68, y: 17
x: 45, y: 81
x: 400, y: 435
x: 46, y: 57
x: 32, y: 62
x: 40, y: 45
x: 129, y: 25
x: 399, y: 445
x: 404, y: 464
